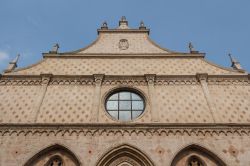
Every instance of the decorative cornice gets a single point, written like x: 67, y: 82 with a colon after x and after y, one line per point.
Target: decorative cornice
x: 102, y: 129
x: 72, y: 80
x: 124, y: 80
x: 176, y: 80
x: 123, y: 31
x: 36, y: 80
x: 123, y: 55
x: 229, y: 80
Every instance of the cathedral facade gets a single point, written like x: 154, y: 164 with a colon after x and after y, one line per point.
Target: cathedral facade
x: 124, y: 101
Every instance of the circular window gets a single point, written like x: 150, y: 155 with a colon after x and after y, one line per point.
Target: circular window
x: 125, y: 105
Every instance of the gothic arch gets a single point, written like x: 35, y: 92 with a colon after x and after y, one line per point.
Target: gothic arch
x: 125, y: 155
x: 54, y: 151
x: 205, y: 156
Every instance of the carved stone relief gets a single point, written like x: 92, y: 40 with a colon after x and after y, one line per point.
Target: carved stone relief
x: 123, y: 44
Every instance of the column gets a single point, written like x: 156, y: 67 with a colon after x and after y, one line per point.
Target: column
x: 98, y: 78
x: 44, y: 84
x: 202, y: 78
x: 152, y: 98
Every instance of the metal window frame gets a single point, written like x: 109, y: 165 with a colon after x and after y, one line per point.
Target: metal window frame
x: 131, y: 110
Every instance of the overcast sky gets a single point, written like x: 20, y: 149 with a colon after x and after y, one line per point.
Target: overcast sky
x: 215, y: 27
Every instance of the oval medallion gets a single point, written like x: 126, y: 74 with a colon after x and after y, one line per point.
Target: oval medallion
x: 123, y: 44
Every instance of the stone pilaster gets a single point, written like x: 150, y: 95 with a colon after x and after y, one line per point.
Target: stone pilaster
x: 98, y: 78
x: 202, y: 78
x: 44, y: 84
x: 151, y: 91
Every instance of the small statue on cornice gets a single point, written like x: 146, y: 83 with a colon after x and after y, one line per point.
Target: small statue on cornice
x: 13, y: 64
x: 104, y: 25
x: 235, y: 64
x: 55, y: 48
x: 191, y: 48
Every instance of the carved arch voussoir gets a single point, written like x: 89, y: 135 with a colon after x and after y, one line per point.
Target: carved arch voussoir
x: 198, y: 149
x: 124, y: 150
x: 50, y: 148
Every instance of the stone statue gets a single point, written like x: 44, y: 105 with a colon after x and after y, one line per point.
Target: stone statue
x: 234, y: 63
x: 191, y: 47
x: 13, y: 64
x: 55, y: 48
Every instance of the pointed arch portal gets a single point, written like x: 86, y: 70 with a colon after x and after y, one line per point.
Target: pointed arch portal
x: 196, y: 155
x: 57, y: 154
x: 125, y: 155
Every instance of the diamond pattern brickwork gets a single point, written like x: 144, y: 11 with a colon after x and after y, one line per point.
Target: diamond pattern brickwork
x: 137, y: 43
x: 182, y: 104
x: 232, y: 102
x: 124, y: 66
x: 18, y: 103
x: 66, y: 104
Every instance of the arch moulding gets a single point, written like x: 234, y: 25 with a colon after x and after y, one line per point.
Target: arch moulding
x: 124, y: 153
x: 198, y: 150
x: 55, y: 147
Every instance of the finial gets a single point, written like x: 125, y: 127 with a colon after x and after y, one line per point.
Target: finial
x: 234, y: 63
x: 191, y: 48
x: 123, y: 23
x: 123, y: 18
x: 142, y: 26
x: 13, y: 64
x: 104, y: 25
x: 55, y: 48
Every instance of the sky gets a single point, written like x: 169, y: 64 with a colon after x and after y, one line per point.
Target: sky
x: 215, y: 27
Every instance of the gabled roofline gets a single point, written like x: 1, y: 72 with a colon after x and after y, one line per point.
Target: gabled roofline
x: 103, y: 56
x: 158, y: 46
x: 24, y: 68
x: 224, y: 68
x: 82, y: 49
x: 120, y: 31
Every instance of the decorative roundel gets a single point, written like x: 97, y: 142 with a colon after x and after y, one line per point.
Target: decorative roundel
x: 125, y: 105
x: 123, y: 44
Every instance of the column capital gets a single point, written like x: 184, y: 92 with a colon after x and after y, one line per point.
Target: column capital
x: 202, y: 76
x: 46, y: 78
x: 150, y: 78
x: 98, y: 78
